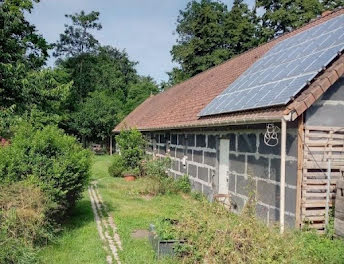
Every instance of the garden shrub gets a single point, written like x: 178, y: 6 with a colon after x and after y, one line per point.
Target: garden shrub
x: 50, y: 159
x: 23, y: 222
x: 132, y: 147
x: 165, y: 184
x: 117, y: 167
x: 183, y: 184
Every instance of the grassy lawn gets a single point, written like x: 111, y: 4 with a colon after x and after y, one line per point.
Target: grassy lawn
x: 132, y: 211
x: 237, y: 236
x: 80, y: 243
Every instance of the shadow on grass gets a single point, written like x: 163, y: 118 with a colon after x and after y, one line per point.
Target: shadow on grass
x: 79, y: 216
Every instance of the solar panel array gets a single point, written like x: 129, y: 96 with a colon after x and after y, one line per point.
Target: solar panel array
x: 283, y: 71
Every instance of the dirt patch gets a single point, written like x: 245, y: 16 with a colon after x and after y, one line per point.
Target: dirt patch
x: 140, y: 233
x: 147, y: 197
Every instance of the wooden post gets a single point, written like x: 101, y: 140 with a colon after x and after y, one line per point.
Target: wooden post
x: 300, y: 142
x: 328, y: 185
x: 111, y: 144
x: 328, y: 193
x: 339, y: 209
x: 83, y: 140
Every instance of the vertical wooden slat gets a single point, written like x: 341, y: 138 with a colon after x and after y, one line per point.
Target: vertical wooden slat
x: 320, y: 145
x: 300, y: 140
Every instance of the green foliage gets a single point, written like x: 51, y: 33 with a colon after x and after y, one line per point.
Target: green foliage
x: 132, y: 172
x: 96, y: 116
x: 215, y: 235
x: 201, y: 42
x: 210, y: 34
x: 183, y: 184
x: 117, y: 166
x: 164, y: 229
x: 76, y: 38
x: 21, y: 49
x: 332, y: 4
x: 132, y: 147
x: 283, y: 15
x: 138, y: 92
x: 24, y: 222
x: 14, y: 251
x: 50, y: 159
x: 241, y: 28
x: 156, y: 169
x: 106, y: 88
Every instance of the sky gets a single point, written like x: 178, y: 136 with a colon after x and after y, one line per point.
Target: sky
x: 144, y: 28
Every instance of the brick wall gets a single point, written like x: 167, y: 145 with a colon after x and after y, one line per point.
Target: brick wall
x: 253, y: 166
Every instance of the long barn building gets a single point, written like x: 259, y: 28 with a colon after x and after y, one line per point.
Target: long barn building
x: 269, y: 120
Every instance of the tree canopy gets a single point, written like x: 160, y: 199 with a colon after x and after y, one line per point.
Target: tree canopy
x: 77, y: 38
x: 22, y: 49
x: 209, y: 33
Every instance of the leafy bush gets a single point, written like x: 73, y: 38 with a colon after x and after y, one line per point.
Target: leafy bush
x: 117, y: 167
x: 51, y: 160
x: 157, y: 170
x: 183, y: 184
x: 14, y: 251
x: 131, y: 172
x: 23, y: 222
x: 132, y: 147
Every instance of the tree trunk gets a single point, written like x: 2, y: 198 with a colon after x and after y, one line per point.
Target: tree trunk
x: 83, y: 140
x: 111, y: 144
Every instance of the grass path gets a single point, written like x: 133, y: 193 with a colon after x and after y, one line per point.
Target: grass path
x: 80, y: 241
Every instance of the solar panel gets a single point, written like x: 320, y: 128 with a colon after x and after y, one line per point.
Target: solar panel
x: 283, y: 71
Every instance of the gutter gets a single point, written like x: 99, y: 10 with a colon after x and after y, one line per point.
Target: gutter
x: 212, y: 124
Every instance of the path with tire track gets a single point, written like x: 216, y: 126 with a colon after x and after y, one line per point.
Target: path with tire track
x: 106, y: 226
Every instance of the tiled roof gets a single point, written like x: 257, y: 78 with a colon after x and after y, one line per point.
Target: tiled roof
x: 178, y: 107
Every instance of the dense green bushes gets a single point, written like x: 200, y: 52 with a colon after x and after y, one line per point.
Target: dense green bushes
x: 42, y: 173
x: 117, y: 167
x: 132, y: 151
x: 132, y: 159
x: 132, y: 147
x: 50, y: 159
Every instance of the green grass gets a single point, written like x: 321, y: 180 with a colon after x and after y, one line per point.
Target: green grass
x: 79, y: 242
x: 131, y: 211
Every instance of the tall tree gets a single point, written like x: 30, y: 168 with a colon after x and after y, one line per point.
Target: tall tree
x: 138, y: 92
x: 201, y: 41
x: 21, y: 49
x: 76, y: 48
x: 97, y: 115
x: 282, y: 16
x: 77, y: 38
x: 210, y: 34
x: 241, y: 28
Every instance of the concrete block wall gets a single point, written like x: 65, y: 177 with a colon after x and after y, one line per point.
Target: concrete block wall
x: 253, y: 166
x: 199, y: 150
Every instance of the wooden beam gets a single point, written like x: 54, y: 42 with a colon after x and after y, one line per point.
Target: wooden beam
x: 300, y: 142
